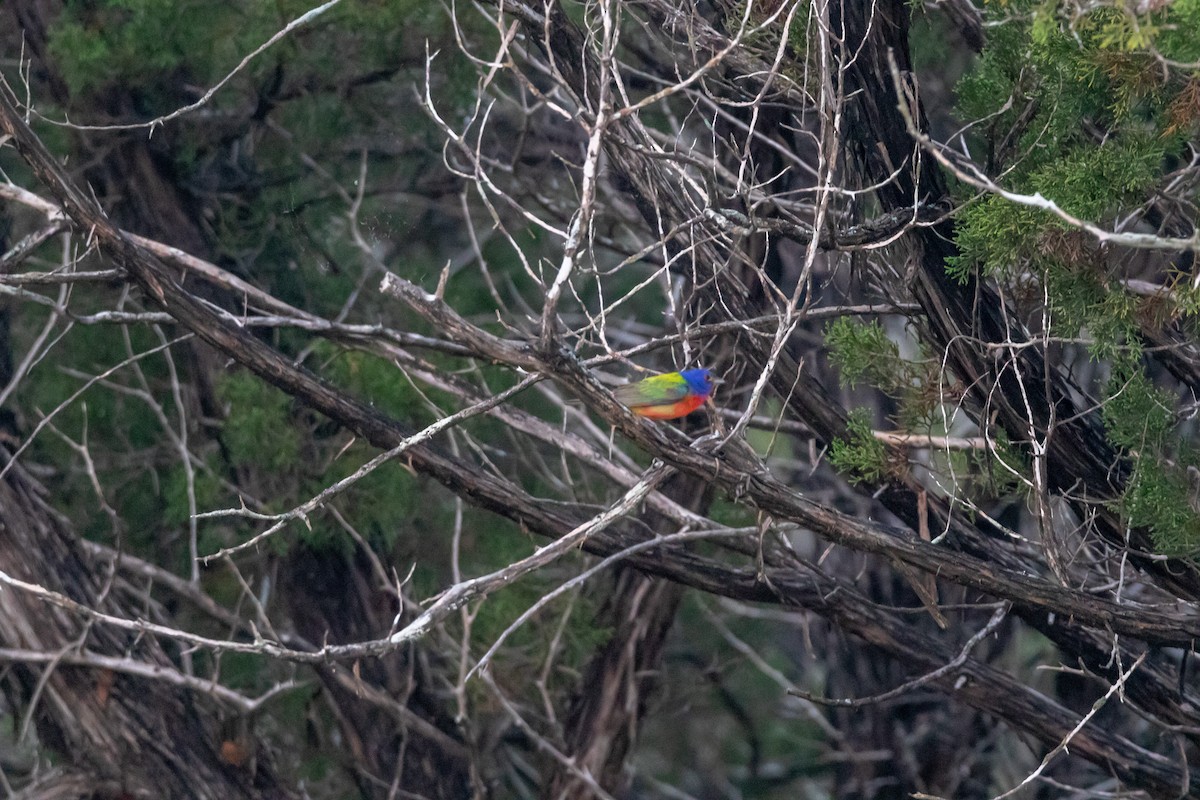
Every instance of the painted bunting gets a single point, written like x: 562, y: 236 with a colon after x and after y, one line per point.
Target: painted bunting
x: 669, y: 396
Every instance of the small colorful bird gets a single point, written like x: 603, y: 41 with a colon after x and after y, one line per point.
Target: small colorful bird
x: 669, y: 396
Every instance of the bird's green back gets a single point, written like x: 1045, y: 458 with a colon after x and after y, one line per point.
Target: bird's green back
x: 659, y: 389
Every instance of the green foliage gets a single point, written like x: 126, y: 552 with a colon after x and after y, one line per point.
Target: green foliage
x: 986, y: 88
x: 383, y: 505
x: 1086, y: 123
x: 1161, y: 498
x: 99, y: 45
x: 1076, y: 295
x: 863, y: 352
x: 259, y: 431
x: 122, y: 433
x: 175, y: 507
x: 285, y: 227
x: 924, y: 393
x: 860, y: 455
x: 1113, y: 326
x: 1171, y: 32
x: 1137, y: 415
x: 731, y: 514
x: 1082, y: 304
x: 263, y: 434
x: 131, y: 43
x: 1139, y: 418
x: 1176, y: 36
x: 994, y: 235
x: 1088, y: 180
x: 695, y: 730
x: 1187, y: 300
x: 493, y: 545
x: 375, y: 381
x: 529, y: 643
x: 1102, y: 122
x: 978, y: 472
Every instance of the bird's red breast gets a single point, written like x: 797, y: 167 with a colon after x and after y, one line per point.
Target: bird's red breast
x: 680, y: 408
x: 669, y: 396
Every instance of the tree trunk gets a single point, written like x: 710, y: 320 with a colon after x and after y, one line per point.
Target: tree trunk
x: 148, y: 738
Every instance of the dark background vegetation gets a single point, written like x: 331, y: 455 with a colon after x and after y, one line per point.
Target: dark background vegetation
x: 935, y: 537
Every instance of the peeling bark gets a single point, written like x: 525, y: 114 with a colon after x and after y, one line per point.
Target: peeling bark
x: 147, y: 737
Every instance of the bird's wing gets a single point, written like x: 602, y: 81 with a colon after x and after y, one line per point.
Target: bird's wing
x: 653, y: 391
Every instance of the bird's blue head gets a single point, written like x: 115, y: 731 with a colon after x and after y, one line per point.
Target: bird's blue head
x: 700, y: 381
